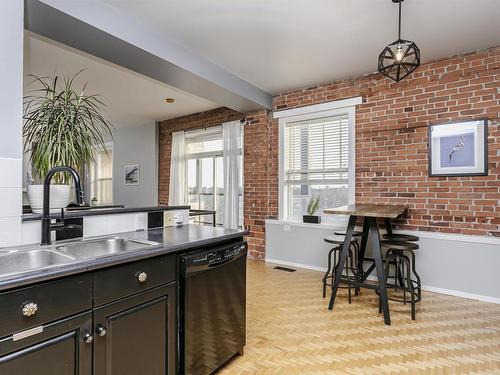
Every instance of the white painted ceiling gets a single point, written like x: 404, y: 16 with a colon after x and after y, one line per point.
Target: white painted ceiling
x: 279, y: 45
x: 131, y: 98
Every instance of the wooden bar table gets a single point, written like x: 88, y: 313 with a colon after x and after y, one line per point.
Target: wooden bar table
x: 370, y: 213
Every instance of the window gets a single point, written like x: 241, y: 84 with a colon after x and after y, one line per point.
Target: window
x: 101, y: 177
x: 206, y: 174
x: 316, y: 160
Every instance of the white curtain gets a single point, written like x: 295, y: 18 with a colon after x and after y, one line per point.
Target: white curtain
x: 231, y: 134
x: 177, y: 195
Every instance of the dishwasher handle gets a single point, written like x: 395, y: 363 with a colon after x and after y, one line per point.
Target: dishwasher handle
x: 190, y: 270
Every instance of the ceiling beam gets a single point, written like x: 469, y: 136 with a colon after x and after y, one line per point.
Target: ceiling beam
x: 101, y: 31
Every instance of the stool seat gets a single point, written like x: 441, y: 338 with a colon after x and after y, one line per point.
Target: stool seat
x: 401, y: 237
x: 354, y: 234
x: 399, y: 245
x: 338, y: 240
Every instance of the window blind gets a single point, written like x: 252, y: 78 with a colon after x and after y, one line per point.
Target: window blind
x: 316, y: 152
x: 202, y: 141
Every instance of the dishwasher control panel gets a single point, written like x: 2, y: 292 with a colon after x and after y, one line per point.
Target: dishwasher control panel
x: 215, y: 256
x: 223, y: 254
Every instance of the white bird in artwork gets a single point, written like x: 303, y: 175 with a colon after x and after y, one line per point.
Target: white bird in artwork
x: 457, y: 147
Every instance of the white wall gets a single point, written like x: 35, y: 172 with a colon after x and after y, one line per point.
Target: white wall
x: 447, y: 263
x: 136, y: 145
x: 11, y: 76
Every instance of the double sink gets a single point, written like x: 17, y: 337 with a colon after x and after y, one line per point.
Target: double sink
x: 14, y: 262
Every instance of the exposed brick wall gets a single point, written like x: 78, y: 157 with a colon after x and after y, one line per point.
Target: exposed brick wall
x: 260, y: 171
x: 392, y: 140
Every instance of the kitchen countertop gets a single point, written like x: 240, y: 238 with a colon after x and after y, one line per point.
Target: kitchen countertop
x: 170, y: 240
x: 104, y: 211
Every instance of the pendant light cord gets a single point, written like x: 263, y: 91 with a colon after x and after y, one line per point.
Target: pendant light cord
x: 399, y: 33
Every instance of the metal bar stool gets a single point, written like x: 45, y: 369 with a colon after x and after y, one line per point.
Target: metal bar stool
x: 351, y: 261
x: 402, y: 238
x: 355, y: 234
x: 406, y: 278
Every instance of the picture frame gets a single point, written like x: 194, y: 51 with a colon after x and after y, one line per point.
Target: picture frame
x: 132, y: 174
x: 458, y: 148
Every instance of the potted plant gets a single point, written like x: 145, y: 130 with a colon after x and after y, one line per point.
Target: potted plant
x: 62, y: 127
x: 311, y: 216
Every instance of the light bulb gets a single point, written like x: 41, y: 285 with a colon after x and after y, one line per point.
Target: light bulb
x: 399, y: 52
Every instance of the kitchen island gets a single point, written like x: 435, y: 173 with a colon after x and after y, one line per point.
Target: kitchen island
x: 99, y: 314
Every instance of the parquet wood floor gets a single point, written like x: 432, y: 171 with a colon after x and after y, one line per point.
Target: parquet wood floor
x: 290, y: 331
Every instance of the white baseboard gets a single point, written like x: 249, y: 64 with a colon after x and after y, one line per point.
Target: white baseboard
x: 429, y: 288
x: 458, y: 293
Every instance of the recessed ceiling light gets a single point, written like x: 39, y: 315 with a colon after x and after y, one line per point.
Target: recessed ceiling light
x: 169, y: 100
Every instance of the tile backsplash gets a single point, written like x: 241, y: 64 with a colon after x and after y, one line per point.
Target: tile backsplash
x: 11, y: 173
x: 10, y: 202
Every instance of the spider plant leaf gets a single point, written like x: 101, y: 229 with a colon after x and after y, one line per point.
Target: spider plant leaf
x: 62, y: 126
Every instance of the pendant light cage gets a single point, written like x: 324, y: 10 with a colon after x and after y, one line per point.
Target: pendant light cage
x: 400, y: 58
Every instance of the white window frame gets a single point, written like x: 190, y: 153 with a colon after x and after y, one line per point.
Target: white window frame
x: 330, y: 109
x: 215, y: 154
x: 109, y: 146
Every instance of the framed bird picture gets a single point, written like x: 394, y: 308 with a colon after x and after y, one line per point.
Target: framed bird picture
x: 459, y: 149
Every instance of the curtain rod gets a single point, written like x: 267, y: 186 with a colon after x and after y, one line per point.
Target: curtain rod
x: 242, y: 121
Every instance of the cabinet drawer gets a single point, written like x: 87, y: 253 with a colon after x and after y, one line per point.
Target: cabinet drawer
x: 40, y: 304
x: 121, y: 281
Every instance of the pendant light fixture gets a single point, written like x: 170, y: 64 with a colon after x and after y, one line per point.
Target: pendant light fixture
x: 399, y: 58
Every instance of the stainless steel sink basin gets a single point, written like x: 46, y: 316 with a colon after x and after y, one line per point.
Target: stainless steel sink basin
x: 88, y: 249
x: 19, y: 262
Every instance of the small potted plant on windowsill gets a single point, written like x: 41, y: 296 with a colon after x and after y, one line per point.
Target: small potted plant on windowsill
x: 311, y: 216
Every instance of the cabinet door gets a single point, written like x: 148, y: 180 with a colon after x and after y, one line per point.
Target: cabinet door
x: 58, y: 348
x: 136, y: 335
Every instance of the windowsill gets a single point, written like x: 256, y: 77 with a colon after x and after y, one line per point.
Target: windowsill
x: 339, y: 223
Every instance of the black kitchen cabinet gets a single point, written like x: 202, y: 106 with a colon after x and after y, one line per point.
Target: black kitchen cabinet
x: 137, y: 335
x: 63, y: 348
x: 114, y: 321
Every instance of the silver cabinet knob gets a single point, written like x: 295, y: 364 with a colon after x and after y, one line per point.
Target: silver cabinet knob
x: 101, y: 330
x: 142, y: 277
x: 30, y: 309
x: 88, y: 338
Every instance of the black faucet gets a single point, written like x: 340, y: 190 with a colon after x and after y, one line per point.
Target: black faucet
x: 47, y: 226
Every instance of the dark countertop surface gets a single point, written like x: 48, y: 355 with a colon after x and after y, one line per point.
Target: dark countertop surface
x: 170, y: 240
x: 104, y: 211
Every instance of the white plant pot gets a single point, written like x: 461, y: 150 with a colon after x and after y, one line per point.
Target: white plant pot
x: 59, y: 197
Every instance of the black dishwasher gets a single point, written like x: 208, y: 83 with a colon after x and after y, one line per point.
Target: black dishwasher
x: 212, y: 324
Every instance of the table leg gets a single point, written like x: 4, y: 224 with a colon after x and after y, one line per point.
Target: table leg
x: 388, y: 226
x: 362, y: 249
x: 377, y: 255
x: 342, y: 259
